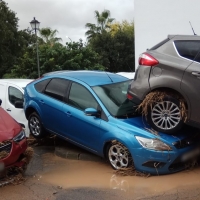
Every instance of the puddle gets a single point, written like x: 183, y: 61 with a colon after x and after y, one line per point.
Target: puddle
x: 73, y: 174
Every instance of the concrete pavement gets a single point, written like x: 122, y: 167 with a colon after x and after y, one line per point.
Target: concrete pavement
x: 67, y: 150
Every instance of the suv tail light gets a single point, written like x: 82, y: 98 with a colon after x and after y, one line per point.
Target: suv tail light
x: 148, y: 60
x: 130, y: 97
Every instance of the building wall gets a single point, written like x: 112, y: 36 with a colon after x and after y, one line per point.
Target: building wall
x: 155, y: 19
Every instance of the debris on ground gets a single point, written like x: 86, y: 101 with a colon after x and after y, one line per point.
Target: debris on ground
x: 28, y: 154
x: 15, y: 175
x: 37, y: 142
x: 131, y: 171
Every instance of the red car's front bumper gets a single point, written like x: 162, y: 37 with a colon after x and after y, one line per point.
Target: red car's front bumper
x: 16, y: 151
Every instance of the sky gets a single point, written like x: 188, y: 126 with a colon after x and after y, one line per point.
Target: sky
x: 68, y: 17
x: 163, y: 18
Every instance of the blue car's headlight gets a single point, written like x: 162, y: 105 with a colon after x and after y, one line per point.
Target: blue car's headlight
x: 154, y: 144
x: 19, y: 137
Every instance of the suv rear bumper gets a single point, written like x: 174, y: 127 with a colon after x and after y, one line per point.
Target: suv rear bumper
x: 134, y: 98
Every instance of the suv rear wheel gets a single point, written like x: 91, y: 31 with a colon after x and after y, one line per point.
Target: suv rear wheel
x: 165, y: 116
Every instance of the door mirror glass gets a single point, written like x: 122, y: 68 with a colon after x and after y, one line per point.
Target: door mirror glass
x: 19, y: 104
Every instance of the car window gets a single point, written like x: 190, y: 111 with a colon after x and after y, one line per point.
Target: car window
x: 113, y: 96
x: 40, y: 86
x: 81, y: 98
x: 187, y: 49
x: 57, y: 88
x: 197, y: 58
x: 14, y: 95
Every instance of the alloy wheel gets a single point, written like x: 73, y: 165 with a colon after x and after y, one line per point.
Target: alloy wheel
x: 35, y: 126
x: 118, y: 156
x: 166, y: 115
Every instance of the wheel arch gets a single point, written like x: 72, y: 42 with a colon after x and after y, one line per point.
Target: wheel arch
x: 31, y: 107
x: 28, y: 112
x: 175, y: 92
x: 107, y: 143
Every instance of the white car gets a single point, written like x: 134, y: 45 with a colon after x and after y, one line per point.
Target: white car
x: 129, y: 75
x: 12, y: 96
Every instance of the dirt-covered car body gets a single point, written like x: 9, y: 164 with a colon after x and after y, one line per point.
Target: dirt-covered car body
x: 12, y: 141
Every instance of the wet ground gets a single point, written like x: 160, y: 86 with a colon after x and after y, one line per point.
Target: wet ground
x: 50, y: 177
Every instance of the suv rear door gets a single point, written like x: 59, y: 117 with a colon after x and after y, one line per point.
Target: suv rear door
x: 190, y: 85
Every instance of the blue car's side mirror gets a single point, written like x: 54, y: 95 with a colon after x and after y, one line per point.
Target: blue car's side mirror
x: 91, y: 112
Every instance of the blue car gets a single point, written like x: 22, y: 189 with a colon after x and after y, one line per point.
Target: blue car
x: 91, y: 110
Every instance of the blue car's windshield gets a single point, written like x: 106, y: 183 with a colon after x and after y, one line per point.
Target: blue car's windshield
x: 113, y: 96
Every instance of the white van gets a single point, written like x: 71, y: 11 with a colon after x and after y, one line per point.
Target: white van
x: 129, y: 75
x: 12, y: 96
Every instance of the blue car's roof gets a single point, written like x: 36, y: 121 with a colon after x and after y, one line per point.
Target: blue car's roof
x: 92, y: 78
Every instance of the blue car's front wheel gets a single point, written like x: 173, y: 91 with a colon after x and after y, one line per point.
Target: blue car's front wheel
x: 118, y: 156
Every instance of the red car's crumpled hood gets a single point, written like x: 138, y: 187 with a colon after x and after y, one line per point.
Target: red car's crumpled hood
x: 9, y: 128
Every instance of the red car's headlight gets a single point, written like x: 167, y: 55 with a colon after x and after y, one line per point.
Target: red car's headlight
x: 20, y: 136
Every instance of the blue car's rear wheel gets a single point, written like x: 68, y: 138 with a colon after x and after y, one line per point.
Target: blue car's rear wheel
x: 35, y: 125
x: 118, y: 156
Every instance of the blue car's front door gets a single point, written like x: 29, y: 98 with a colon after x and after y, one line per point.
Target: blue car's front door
x: 76, y: 126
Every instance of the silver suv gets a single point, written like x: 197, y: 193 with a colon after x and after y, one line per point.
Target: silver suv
x: 167, y: 83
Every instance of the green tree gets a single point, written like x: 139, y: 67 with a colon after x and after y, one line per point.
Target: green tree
x: 73, y: 56
x: 9, y: 46
x: 49, y: 36
x: 103, y: 24
x: 115, y: 46
x: 80, y: 57
x: 124, y: 26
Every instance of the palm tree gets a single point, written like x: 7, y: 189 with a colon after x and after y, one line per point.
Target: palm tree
x: 103, y: 22
x: 49, y: 36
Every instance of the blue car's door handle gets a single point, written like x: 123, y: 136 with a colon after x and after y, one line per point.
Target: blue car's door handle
x: 41, y: 101
x: 68, y: 114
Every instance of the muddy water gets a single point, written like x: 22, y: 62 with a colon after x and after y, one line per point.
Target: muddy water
x: 72, y: 173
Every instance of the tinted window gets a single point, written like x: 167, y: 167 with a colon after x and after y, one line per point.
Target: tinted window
x: 57, y: 88
x: 40, y: 86
x: 187, y: 49
x: 197, y: 59
x: 81, y: 98
x: 14, y: 95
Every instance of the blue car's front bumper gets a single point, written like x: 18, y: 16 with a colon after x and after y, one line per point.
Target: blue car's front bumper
x: 164, y: 162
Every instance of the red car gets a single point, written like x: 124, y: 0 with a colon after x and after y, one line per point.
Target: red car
x: 13, y: 142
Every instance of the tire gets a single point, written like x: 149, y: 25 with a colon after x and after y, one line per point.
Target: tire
x: 35, y: 126
x: 165, y: 116
x: 118, y: 156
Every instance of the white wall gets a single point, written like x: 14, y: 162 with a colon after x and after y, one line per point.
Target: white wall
x: 155, y: 19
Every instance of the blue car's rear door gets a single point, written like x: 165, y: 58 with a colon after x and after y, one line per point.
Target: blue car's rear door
x: 51, y: 103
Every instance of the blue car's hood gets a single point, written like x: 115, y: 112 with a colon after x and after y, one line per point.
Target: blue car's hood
x: 138, y: 126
